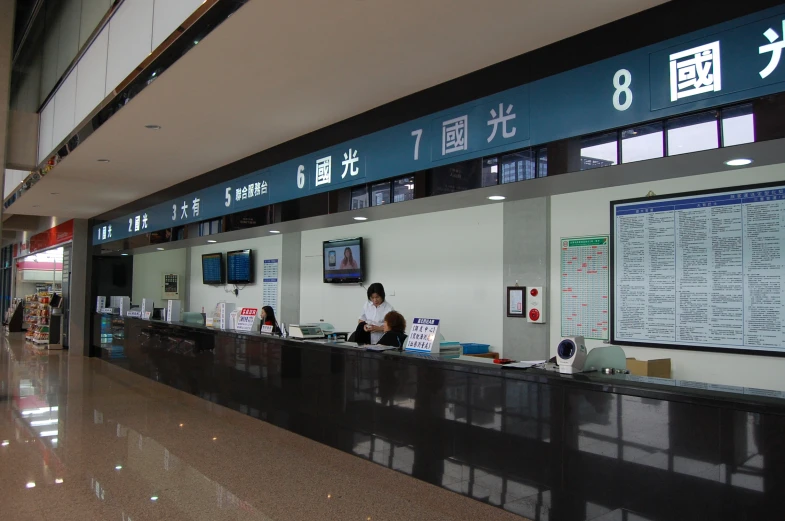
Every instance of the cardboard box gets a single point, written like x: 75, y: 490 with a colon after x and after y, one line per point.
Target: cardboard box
x: 659, y: 368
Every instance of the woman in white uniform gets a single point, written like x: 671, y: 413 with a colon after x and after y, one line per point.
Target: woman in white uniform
x: 374, y: 311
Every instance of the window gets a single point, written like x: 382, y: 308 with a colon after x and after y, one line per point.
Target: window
x: 641, y: 143
x: 599, y: 151
x: 455, y: 178
x: 403, y: 189
x: 519, y: 166
x: 490, y: 171
x: 380, y: 194
x: 542, y: 162
x: 693, y: 133
x: 359, y: 197
x: 738, y: 125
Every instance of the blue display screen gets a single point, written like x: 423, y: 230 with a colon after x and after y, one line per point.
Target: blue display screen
x: 239, y: 267
x: 213, y: 268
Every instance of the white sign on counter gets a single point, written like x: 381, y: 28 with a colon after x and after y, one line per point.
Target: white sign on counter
x: 245, y: 322
x: 424, y: 336
x: 267, y: 329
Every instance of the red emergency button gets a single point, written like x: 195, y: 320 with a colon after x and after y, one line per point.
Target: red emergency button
x: 534, y: 314
x: 534, y: 292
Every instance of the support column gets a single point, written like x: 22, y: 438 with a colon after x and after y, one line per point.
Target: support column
x: 527, y: 260
x: 290, y: 278
x: 81, y: 267
x: 6, y: 49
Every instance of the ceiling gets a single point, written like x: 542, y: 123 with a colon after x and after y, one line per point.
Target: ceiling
x: 301, y: 65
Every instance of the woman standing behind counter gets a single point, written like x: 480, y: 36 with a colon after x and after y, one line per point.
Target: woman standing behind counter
x: 372, y: 319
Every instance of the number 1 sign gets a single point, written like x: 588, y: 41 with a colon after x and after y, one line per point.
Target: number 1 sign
x: 424, y: 336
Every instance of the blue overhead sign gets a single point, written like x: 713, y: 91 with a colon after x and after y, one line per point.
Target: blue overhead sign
x: 723, y: 64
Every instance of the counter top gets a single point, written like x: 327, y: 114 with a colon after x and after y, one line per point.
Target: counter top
x: 656, y: 388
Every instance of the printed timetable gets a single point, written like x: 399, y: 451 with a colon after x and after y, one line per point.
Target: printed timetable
x: 584, y: 287
x: 703, y: 271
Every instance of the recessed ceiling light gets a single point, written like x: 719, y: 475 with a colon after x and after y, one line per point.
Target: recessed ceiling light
x: 102, y: 160
x: 154, y: 498
x: 59, y: 480
x: 360, y: 218
x: 160, y: 249
x: 124, y: 254
x: 118, y: 467
x: 274, y: 231
x: 211, y: 241
x: 738, y: 162
x: 35, y: 206
x: 55, y: 193
x: 497, y: 198
x: 30, y: 484
x: 153, y: 127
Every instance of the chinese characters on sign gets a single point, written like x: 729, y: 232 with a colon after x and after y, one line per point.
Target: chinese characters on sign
x: 250, y: 191
x: 424, y: 336
x: 503, y: 117
x: 137, y: 223
x: 695, y: 71
x: 455, y: 135
x: 774, y: 47
x: 324, y: 170
x: 348, y: 162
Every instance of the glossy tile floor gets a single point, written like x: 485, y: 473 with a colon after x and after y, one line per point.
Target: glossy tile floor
x: 82, y: 440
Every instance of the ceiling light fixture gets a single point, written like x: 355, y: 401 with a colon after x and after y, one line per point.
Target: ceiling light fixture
x: 118, y: 467
x: 160, y: 249
x: 153, y: 127
x: 124, y: 255
x: 30, y: 484
x: 274, y: 231
x: 59, y: 480
x: 102, y: 160
x: 497, y: 198
x: 55, y: 193
x: 743, y: 161
x: 154, y: 498
x: 210, y: 241
x: 360, y: 218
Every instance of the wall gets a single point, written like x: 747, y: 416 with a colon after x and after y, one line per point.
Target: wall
x: 587, y: 213
x: 445, y: 265
x: 202, y: 295
x: 149, y: 269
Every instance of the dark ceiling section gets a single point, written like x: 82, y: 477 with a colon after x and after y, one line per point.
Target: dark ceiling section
x: 23, y: 18
x: 660, y: 23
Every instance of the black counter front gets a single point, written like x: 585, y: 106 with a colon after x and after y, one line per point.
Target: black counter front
x: 533, y: 442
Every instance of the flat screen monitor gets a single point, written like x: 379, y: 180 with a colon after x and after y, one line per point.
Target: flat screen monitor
x: 239, y: 267
x: 213, y: 268
x: 343, y: 261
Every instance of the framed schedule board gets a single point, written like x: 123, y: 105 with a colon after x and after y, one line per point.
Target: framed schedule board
x: 701, y: 270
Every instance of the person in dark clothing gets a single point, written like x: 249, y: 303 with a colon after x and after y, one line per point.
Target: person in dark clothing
x: 394, y: 330
x: 268, y: 319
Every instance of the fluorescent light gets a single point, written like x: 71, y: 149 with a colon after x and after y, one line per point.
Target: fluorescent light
x: 210, y: 241
x: 118, y: 467
x: 160, y: 249
x: 124, y: 255
x: 6, y: 443
x: 59, y: 480
x: 42, y: 422
x: 154, y: 498
x: 739, y: 162
x: 30, y: 484
x: 497, y: 198
x: 48, y: 433
x: 360, y: 218
x: 274, y: 231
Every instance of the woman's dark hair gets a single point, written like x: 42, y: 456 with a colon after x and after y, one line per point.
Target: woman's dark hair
x: 396, y: 321
x: 377, y: 288
x: 269, y: 316
x: 350, y: 253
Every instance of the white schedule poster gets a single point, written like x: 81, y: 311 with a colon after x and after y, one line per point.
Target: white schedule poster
x: 584, y: 287
x: 704, y: 271
x: 270, y: 284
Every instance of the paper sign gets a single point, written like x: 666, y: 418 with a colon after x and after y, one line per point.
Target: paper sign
x: 267, y: 329
x: 107, y: 311
x: 146, y: 315
x: 424, y: 336
x: 100, y: 304
x: 246, y: 319
x: 516, y: 302
x: 134, y: 314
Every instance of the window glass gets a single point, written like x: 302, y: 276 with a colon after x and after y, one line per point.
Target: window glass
x: 403, y: 189
x: 455, y: 178
x: 359, y: 197
x: 380, y: 194
x: 693, y: 133
x: 542, y: 162
x: 490, y: 171
x: 738, y: 125
x: 519, y: 166
x: 599, y: 151
x: 641, y: 143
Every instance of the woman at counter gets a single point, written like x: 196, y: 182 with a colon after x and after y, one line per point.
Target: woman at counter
x: 370, y: 327
x: 267, y: 317
x: 394, y: 330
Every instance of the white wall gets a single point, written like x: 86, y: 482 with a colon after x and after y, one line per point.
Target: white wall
x: 587, y: 213
x: 445, y: 265
x: 149, y: 271
x: 207, y: 296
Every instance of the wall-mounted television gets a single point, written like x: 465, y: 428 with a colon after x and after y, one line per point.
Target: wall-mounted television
x: 213, y: 268
x: 343, y: 261
x: 239, y: 267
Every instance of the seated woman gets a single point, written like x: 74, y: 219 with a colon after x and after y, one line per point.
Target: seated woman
x: 394, y: 330
x: 267, y: 318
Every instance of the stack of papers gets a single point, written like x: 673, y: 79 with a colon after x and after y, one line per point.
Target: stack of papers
x: 524, y: 364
